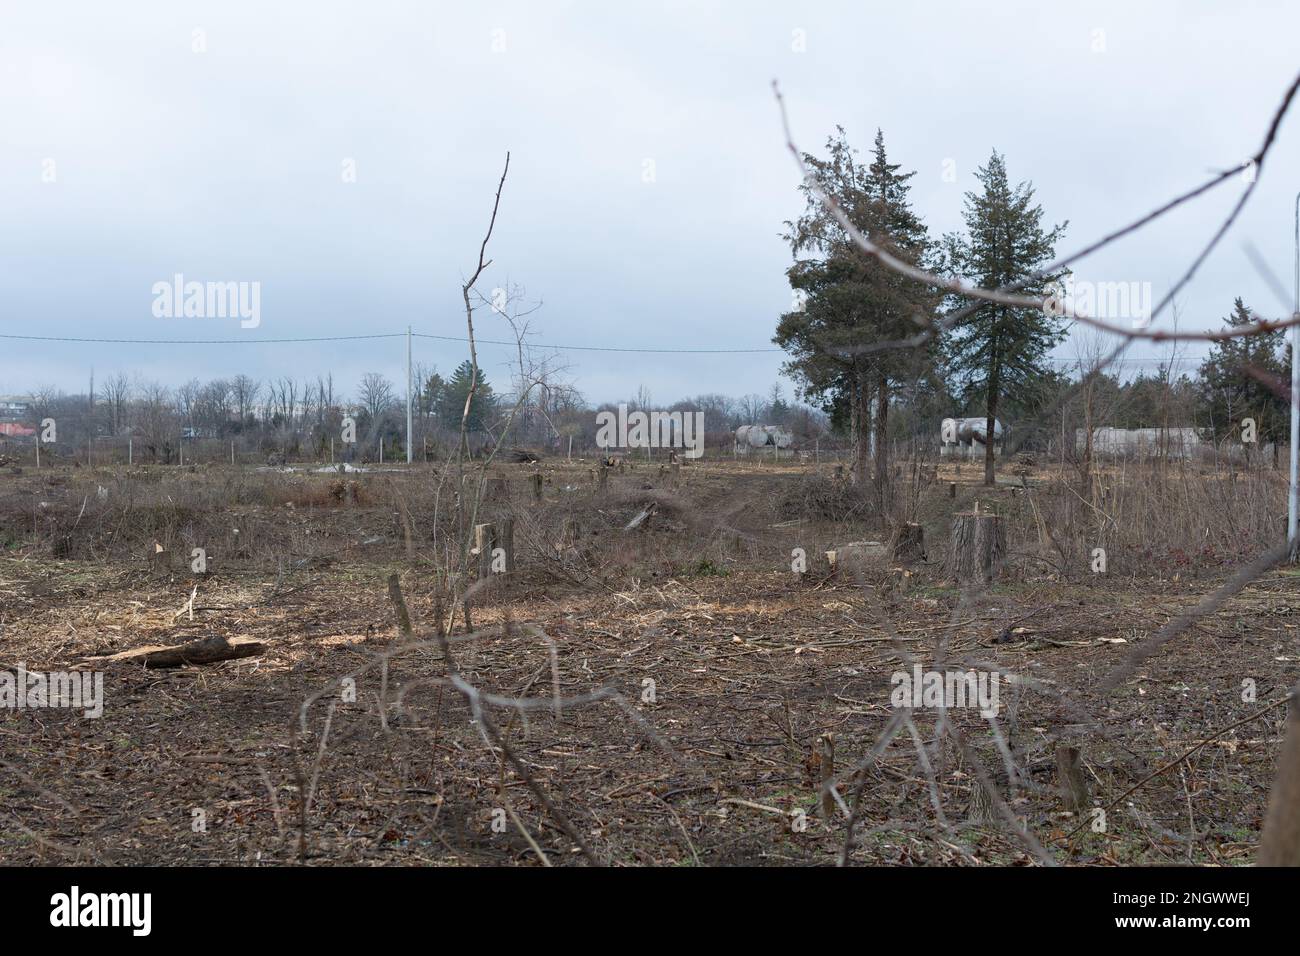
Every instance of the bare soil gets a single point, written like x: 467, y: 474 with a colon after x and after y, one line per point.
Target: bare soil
x: 722, y: 667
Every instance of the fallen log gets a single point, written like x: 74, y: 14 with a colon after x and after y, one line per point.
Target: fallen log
x: 646, y: 514
x: 205, y: 650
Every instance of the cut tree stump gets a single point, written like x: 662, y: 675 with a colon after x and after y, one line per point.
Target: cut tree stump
x: 570, y: 535
x: 1069, y: 773
x: 900, y: 579
x: 979, y: 544
x: 856, y: 556
x: 399, y: 605
x: 909, y: 543
x: 485, y: 541
x: 826, y: 750
x: 205, y: 650
x: 506, y: 541
x: 982, y: 811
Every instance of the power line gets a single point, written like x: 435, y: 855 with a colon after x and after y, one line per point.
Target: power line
x: 384, y: 335
x: 600, y: 348
x: 322, y: 338
x: 463, y: 340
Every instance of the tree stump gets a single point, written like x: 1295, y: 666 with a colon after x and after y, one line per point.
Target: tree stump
x: 506, y: 541
x: 399, y: 606
x: 981, y: 812
x: 979, y: 544
x: 900, y: 579
x: 570, y: 535
x: 1074, y: 786
x: 485, y: 542
x: 856, y: 557
x: 826, y: 751
x: 909, y: 543
x: 496, y: 489
x: 536, y: 479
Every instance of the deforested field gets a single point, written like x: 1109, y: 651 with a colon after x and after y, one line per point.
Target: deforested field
x: 666, y: 669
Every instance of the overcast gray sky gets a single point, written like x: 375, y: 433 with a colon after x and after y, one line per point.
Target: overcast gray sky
x: 227, y: 164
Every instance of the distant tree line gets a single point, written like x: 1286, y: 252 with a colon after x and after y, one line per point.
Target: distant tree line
x: 294, y: 418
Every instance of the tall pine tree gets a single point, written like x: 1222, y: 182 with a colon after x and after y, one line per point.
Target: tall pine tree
x: 1234, y: 380
x: 851, y: 302
x: 998, y: 354
x: 454, y: 394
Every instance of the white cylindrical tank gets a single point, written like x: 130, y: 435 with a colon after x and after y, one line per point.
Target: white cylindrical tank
x: 764, y: 436
x: 973, y: 430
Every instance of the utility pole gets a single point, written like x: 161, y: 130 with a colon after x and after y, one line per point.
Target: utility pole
x: 1295, y: 395
x: 410, y: 431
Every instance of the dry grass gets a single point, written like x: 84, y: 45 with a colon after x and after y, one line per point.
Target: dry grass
x: 749, y: 667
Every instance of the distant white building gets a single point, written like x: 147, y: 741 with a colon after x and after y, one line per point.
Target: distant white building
x: 1140, y: 442
x: 13, y: 407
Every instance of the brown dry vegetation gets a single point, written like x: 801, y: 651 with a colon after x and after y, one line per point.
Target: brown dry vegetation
x: 751, y: 665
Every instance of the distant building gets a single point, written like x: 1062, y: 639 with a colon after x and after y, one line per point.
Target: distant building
x: 1140, y: 442
x: 14, y: 430
x: 13, y: 408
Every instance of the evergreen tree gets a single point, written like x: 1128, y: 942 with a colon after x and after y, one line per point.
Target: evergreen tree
x: 778, y: 409
x: 850, y: 301
x: 431, y: 397
x: 1229, y: 390
x: 456, y: 391
x: 998, y: 354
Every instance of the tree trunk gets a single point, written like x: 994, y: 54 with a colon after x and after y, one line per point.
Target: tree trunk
x: 861, y: 426
x: 989, y: 478
x: 978, y: 546
x: 1279, y: 845
x: 995, y: 383
x: 1085, y: 473
x: 882, y: 477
